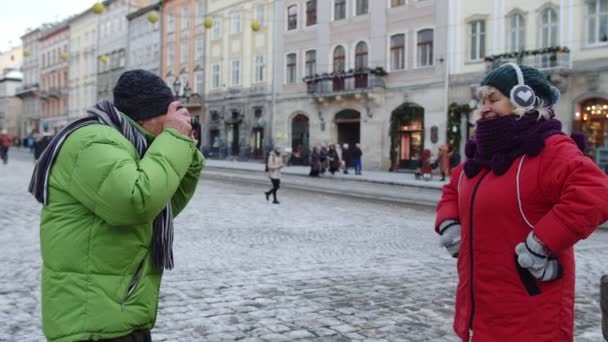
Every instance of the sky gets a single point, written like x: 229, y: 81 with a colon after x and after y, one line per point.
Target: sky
x: 19, y: 15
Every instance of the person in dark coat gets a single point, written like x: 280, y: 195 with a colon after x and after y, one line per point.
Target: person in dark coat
x: 347, y: 158
x: 357, y: 154
x: 315, y: 162
x: 334, y: 159
x: 513, y: 211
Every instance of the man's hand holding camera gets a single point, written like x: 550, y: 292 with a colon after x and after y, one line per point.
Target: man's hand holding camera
x: 178, y: 118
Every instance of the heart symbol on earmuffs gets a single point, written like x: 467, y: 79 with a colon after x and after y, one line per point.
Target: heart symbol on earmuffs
x: 524, y: 95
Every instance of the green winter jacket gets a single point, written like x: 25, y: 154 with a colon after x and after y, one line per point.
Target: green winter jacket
x: 98, y: 281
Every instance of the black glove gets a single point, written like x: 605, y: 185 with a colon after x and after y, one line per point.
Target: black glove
x: 533, y: 256
x: 450, y: 236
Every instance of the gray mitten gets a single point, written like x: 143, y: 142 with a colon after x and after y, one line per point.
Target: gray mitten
x: 533, y: 255
x: 450, y: 236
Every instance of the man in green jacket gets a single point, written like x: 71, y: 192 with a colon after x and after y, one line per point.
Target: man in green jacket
x: 111, y: 184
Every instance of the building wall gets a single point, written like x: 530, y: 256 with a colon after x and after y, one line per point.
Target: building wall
x: 111, y: 43
x: 144, y: 43
x: 10, y: 105
x: 31, y: 83
x: 11, y: 58
x: 423, y: 86
x: 83, y: 63
x: 54, y: 76
x: 582, y: 75
x: 242, y: 101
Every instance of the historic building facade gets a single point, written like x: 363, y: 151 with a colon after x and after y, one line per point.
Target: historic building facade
x: 30, y: 89
x: 82, y: 63
x: 368, y: 72
x: 239, y: 64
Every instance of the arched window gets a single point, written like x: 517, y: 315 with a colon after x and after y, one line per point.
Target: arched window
x: 517, y: 32
x: 361, y: 56
x: 549, y: 28
x: 339, y: 59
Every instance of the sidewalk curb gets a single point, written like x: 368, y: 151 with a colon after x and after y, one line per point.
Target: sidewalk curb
x: 213, y: 174
x: 361, y: 180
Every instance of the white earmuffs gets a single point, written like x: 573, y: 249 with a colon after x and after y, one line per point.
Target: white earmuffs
x: 522, y: 96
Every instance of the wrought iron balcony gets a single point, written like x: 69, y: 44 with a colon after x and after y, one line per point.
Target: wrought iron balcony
x: 551, y: 58
x: 344, y: 83
x: 28, y: 89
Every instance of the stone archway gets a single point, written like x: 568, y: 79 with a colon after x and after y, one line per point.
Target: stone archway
x: 348, y: 123
x: 407, y: 136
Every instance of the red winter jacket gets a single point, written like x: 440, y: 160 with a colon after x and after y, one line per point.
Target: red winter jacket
x: 564, y: 196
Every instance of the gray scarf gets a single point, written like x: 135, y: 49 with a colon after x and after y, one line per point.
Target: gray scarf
x: 105, y: 113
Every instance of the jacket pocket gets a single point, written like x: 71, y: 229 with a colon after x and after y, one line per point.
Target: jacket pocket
x: 133, y: 282
x: 527, y: 279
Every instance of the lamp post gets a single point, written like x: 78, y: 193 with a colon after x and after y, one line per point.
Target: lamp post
x: 187, y: 92
x: 176, y: 86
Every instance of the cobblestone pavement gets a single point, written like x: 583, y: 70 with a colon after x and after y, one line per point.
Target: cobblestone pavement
x: 314, y: 268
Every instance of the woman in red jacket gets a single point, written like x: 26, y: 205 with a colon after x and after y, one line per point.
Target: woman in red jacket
x: 513, y: 211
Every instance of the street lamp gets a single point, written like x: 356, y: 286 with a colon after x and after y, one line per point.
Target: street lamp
x: 187, y: 92
x: 176, y: 86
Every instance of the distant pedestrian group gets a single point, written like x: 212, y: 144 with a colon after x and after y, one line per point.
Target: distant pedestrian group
x: 334, y: 158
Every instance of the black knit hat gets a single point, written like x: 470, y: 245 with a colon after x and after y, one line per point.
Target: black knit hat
x: 141, y: 94
x: 504, y: 79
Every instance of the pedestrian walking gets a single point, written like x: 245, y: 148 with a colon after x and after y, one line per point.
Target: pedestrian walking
x: 5, y: 144
x: 275, y: 166
x: 315, y: 162
x: 357, y: 155
x: 443, y: 160
x: 334, y: 159
x: 111, y: 184
x: 323, y: 158
x: 347, y: 158
x: 513, y: 211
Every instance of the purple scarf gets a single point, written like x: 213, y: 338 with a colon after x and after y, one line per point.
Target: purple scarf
x: 499, y: 141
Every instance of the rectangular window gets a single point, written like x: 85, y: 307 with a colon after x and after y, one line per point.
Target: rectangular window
x: 170, y: 23
x: 549, y: 28
x: 425, y: 48
x: 185, y: 20
x: 198, y: 82
x: 597, y: 21
x: 236, y: 72
x: 362, y: 7
x: 170, y: 55
x: 236, y: 23
x: 339, y: 9
x: 292, y: 17
x: 199, y: 49
x: 291, y: 68
x: 215, y: 76
x: 311, y: 12
x: 517, y: 30
x: 395, y: 3
x: 185, y: 52
x: 259, y: 68
x: 259, y: 14
x: 200, y: 12
x: 398, y: 52
x: 477, y: 40
x: 217, y: 29
x: 311, y: 62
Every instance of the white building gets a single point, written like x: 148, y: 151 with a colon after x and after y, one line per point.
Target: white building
x: 143, y: 49
x: 30, y: 88
x: 83, y: 63
x: 568, y: 39
x: 10, y: 105
x: 357, y: 71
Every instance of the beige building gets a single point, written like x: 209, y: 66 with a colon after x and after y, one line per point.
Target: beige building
x: 30, y: 89
x: 182, y: 42
x: 368, y: 72
x: 568, y: 39
x: 82, y: 63
x: 11, y: 58
x: 239, y: 64
x: 54, y: 56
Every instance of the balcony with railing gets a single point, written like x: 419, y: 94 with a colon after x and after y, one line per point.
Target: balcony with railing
x: 344, y: 83
x: 551, y: 58
x: 28, y: 89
